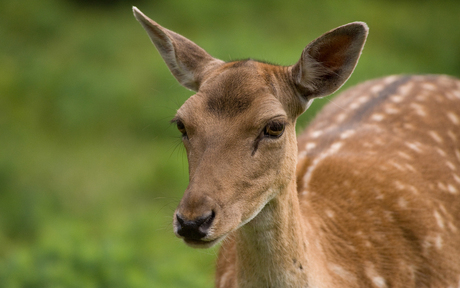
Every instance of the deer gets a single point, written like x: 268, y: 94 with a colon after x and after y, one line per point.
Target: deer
x: 367, y: 196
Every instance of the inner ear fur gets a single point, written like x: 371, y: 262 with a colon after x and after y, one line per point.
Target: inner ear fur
x: 188, y: 62
x: 327, y: 62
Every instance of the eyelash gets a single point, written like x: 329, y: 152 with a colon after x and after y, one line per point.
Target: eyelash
x: 181, y: 127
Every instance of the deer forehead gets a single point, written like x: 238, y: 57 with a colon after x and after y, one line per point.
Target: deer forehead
x: 235, y: 93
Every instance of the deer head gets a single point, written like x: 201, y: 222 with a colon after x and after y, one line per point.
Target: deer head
x: 239, y: 127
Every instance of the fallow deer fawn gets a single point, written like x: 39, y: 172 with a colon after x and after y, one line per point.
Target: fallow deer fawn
x: 370, y: 195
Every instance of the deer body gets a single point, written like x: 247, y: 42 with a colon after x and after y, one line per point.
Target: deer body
x: 378, y: 187
x: 370, y: 195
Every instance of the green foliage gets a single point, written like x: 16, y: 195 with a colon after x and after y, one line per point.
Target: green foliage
x: 90, y: 169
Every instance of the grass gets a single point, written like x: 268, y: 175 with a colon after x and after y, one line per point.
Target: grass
x: 90, y: 169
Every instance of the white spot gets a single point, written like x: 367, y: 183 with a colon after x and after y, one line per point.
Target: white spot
x: 223, y: 278
x: 452, y: 227
x: 379, y: 141
x: 377, y: 117
x: 410, y: 168
x: 399, y: 185
x: 363, y: 99
x: 397, y: 98
x: 452, y: 189
x: 310, y: 145
x: 316, y: 134
x: 419, y: 109
x: 429, y: 86
x: 408, y: 126
x: 406, y: 88
x: 331, y: 151
x: 404, y: 155
x: 347, y: 134
x: 413, y: 189
x: 390, y: 79
x: 441, y: 152
x: 451, y: 165
x: 318, y: 245
x: 379, y: 193
x: 335, y: 147
x: 302, y: 154
x: 341, y: 117
x: 457, y: 94
x: 378, y: 280
x: 426, y: 245
x: 396, y: 165
x: 435, y: 136
x: 376, y: 88
x: 456, y: 178
x: 414, y: 146
x: 442, y: 186
x: 354, y: 105
x: 450, y: 96
x: 340, y: 271
x: 389, y: 216
x: 421, y: 97
x: 439, y: 220
x: 453, y: 117
x: 443, y: 209
x: 330, y: 213
x: 391, y: 110
x: 444, y: 81
x: 411, y: 269
x: 452, y: 135
x: 438, y: 242
x: 402, y: 202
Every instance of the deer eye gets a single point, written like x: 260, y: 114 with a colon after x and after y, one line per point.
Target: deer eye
x: 274, y: 129
x: 181, y: 127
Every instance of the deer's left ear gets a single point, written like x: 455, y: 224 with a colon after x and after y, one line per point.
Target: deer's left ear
x: 188, y: 62
x: 327, y: 62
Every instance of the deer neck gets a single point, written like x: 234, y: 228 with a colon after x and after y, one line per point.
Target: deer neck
x: 271, y: 248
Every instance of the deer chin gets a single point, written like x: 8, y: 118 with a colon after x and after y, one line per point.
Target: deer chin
x: 203, y: 244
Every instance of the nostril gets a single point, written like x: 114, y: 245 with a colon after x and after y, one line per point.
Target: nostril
x: 194, y: 229
x: 180, y: 219
x: 207, y: 222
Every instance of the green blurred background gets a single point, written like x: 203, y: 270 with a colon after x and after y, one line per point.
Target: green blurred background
x: 90, y: 168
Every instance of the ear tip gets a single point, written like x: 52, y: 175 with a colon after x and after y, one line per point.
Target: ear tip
x: 142, y: 18
x: 136, y: 12
x: 363, y: 24
x: 360, y: 25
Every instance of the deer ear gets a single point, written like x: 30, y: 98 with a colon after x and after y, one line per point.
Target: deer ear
x: 188, y: 62
x: 327, y: 62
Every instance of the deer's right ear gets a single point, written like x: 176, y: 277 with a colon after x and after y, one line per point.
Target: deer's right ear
x: 188, y: 62
x: 327, y: 62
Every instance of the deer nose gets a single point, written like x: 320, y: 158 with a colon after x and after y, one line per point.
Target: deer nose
x: 195, y: 229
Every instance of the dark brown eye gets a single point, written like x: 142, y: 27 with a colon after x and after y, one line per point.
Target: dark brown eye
x: 274, y: 129
x: 181, y: 128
